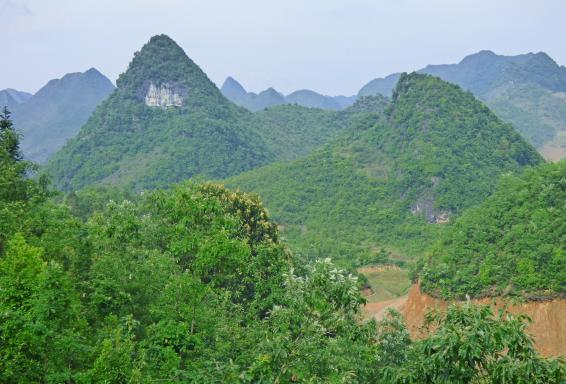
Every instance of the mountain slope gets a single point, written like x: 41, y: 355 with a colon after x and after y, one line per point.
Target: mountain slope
x: 57, y: 111
x: 512, y: 243
x: 526, y: 90
x: 293, y: 131
x: 165, y: 122
x: 380, y: 86
x: 10, y: 98
x: 436, y: 152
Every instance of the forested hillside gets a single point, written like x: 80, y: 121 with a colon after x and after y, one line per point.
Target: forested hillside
x: 513, y: 243
x: 526, y: 90
x: 292, y: 131
x: 389, y: 178
x: 192, y: 285
x: 167, y: 122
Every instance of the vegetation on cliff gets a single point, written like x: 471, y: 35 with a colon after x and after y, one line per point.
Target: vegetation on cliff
x: 513, y: 243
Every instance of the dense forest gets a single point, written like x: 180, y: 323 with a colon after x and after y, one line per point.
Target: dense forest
x: 192, y: 284
x: 513, y: 243
x: 182, y: 238
x: 525, y: 90
x: 391, y: 179
x: 130, y: 143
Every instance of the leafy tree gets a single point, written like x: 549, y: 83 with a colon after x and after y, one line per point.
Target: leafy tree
x: 40, y: 318
x: 13, y: 170
x: 468, y: 344
x: 314, y: 334
x: 192, y: 284
x: 513, y: 243
x: 9, y: 140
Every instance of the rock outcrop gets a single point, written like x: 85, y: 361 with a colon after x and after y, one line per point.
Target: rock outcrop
x: 163, y: 96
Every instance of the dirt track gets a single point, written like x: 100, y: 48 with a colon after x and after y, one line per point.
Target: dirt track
x: 377, y: 310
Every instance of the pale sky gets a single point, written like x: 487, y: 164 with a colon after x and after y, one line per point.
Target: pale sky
x: 330, y: 46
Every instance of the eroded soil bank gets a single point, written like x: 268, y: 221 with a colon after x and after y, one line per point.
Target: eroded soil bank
x: 548, y: 327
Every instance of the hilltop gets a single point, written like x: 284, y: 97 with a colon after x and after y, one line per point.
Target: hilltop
x: 526, y: 90
x: 10, y: 98
x: 167, y: 122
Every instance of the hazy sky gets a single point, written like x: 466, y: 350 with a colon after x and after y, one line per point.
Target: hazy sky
x: 331, y: 46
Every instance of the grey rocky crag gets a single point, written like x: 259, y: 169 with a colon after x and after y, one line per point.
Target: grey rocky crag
x: 164, y: 95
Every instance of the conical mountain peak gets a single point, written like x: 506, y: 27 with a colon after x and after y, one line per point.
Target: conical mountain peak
x: 161, y: 74
x: 232, y: 88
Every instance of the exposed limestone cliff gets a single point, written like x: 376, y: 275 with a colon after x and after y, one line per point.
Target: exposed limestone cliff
x: 163, y: 96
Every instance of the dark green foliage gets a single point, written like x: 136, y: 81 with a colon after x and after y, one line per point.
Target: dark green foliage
x: 129, y: 143
x: 9, y: 138
x: 436, y: 152
x: 525, y: 90
x: 190, y: 285
x: 181, y: 285
x: 513, y: 243
x: 468, y: 344
x: 16, y: 190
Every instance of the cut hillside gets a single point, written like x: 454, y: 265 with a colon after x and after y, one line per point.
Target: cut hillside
x: 514, y: 243
x: 57, y: 111
x: 391, y: 179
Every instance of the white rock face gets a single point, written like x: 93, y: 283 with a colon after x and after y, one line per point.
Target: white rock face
x: 162, y: 96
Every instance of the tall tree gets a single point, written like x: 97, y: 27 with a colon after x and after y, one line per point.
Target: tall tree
x: 9, y: 138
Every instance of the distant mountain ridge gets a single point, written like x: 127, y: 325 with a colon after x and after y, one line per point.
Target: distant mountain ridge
x: 10, y: 98
x: 57, y: 111
x: 268, y: 98
x: 527, y: 90
x: 481, y: 71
